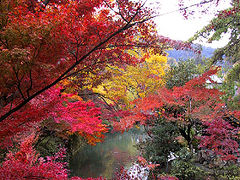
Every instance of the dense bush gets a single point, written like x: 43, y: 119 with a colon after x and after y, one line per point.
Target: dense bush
x: 185, y: 168
x: 162, y: 142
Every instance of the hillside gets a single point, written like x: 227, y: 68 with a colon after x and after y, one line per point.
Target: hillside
x: 206, y: 52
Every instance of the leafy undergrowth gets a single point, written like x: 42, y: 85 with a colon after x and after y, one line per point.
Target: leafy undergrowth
x: 27, y: 164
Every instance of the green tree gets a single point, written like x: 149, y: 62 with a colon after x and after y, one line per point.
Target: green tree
x: 226, y: 21
x: 162, y: 142
x: 181, y: 73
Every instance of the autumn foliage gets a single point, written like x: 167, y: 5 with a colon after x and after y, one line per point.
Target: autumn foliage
x: 127, y: 83
x: 43, y: 44
x: 188, y: 101
x: 46, y: 42
x: 53, y: 50
x: 26, y: 163
x: 221, y: 137
x: 188, y: 105
x: 77, y: 116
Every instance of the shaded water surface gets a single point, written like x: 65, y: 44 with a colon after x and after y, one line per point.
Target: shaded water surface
x: 106, y: 158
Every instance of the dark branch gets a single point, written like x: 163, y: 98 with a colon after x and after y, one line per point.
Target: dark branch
x: 125, y: 27
x: 31, y: 83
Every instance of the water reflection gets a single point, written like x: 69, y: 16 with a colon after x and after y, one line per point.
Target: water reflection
x: 106, y: 158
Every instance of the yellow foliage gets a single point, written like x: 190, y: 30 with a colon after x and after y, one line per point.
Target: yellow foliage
x: 84, y: 80
x: 157, y: 58
x: 76, y: 97
x: 132, y: 82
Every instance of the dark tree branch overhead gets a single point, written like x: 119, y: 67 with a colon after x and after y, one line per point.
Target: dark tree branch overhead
x: 31, y: 83
x: 120, y: 30
x: 129, y: 23
x: 19, y: 83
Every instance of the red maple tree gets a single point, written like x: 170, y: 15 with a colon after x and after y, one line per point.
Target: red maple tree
x: 45, y: 42
x: 189, y: 105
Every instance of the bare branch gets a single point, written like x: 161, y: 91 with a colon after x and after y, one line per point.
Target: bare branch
x: 19, y: 83
x: 31, y: 83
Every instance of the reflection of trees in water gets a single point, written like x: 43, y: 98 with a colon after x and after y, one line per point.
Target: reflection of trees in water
x: 85, y: 162
x: 105, y: 158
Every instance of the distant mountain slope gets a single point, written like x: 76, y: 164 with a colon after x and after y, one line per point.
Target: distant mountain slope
x: 207, y: 52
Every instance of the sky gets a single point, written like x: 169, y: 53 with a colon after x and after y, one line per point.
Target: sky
x: 175, y: 26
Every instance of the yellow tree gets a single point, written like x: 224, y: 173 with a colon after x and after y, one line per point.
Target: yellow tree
x: 133, y: 81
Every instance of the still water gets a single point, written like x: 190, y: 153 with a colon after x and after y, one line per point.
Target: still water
x: 106, y: 158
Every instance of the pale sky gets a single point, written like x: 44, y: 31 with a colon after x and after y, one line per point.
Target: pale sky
x: 174, y: 25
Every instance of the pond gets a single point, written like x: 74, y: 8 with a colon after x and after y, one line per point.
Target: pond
x: 106, y: 158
